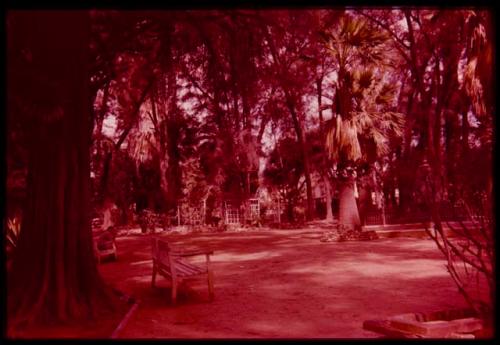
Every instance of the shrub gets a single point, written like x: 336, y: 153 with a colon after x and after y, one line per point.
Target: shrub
x: 12, y: 237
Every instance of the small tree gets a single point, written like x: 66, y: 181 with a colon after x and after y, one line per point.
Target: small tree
x: 469, y: 246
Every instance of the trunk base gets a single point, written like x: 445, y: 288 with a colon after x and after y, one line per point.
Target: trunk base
x: 348, y: 234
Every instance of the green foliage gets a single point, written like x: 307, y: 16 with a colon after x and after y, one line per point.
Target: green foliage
x: 285, y: 168
x: 284, y: 173
x: 195, y: 186
x: 122, y: 180
x: 147, y: 220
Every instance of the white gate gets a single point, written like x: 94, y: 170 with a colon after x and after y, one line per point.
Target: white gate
x: 232, y: 215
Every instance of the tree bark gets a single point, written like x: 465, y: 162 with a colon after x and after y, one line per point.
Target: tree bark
x: 319, y: 89
x: 174, y: 172
x: 328, y: 194
x: 300, y: 138
x: 99, y: 119
x: 161, y: 135
x: 326, y: 182
x: 289, y: 210
x: 465, y: 132
x: 54, y: 274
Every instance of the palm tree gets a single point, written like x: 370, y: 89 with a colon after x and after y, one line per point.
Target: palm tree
x: 363, y: 120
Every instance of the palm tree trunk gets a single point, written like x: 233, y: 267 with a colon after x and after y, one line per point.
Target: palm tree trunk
x: 348, y: 209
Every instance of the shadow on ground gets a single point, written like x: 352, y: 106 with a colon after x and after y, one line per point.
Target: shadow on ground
x: 283, y: 283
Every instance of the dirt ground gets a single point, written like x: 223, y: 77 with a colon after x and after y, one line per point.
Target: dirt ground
x: 283, y: 284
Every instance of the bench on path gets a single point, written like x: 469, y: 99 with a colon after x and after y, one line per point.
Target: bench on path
x: 104, y: 244
x: 172, y: 265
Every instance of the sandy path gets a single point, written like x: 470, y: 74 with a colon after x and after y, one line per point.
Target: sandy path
x: 286, y: 284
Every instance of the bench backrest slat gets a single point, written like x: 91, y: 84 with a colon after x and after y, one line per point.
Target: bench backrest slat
x: 160, y: 250
x: 171, y: 264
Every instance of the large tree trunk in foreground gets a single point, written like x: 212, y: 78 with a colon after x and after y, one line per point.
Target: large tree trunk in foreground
x: 348, y: 209
x: 54, y: 275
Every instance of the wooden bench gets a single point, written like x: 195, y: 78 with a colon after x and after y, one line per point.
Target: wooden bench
x: 104, y: 245
x: 172, y: 265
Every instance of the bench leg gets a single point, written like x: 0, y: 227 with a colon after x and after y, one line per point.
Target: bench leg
x: 174, y: 291
x: 153, y: 278
x: 210, y: 285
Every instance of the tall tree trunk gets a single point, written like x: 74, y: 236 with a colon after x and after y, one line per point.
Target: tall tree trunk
x: 97, y: 139
x: 99, y: 119
x: 54, y: 274
x: 248, y: 189
x: 465, y: 132
x: 296, y: 123
x: 106, y: 166
x: 348, y: 209
x: 405, y: 176
x: 300, y: 138
x: 319, y: 89
x: 234, y: 78
x: 109, y: 155
x: 289, y: 210
x: 438, y: 161
x: 326, y: 182
x: 328, y: 194
x: 161, y: 134
x: 174, y: 172
x: 173, y: 130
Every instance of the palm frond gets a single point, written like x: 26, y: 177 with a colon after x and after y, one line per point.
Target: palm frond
x: 342, y: 140
x: 365, y: 78
x: 365, y: 123
x: 386, y: 94
x: 355, y: 38
x: 473, y: 86
x: 380, y: 141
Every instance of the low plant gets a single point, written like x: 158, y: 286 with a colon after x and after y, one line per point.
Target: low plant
x: 12, y: 237
x: 147, y: 221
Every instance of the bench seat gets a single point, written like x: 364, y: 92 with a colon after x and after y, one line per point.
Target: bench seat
x: 173, y: 266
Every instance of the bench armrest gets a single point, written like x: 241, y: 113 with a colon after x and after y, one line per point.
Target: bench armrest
x: 192, y: 253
